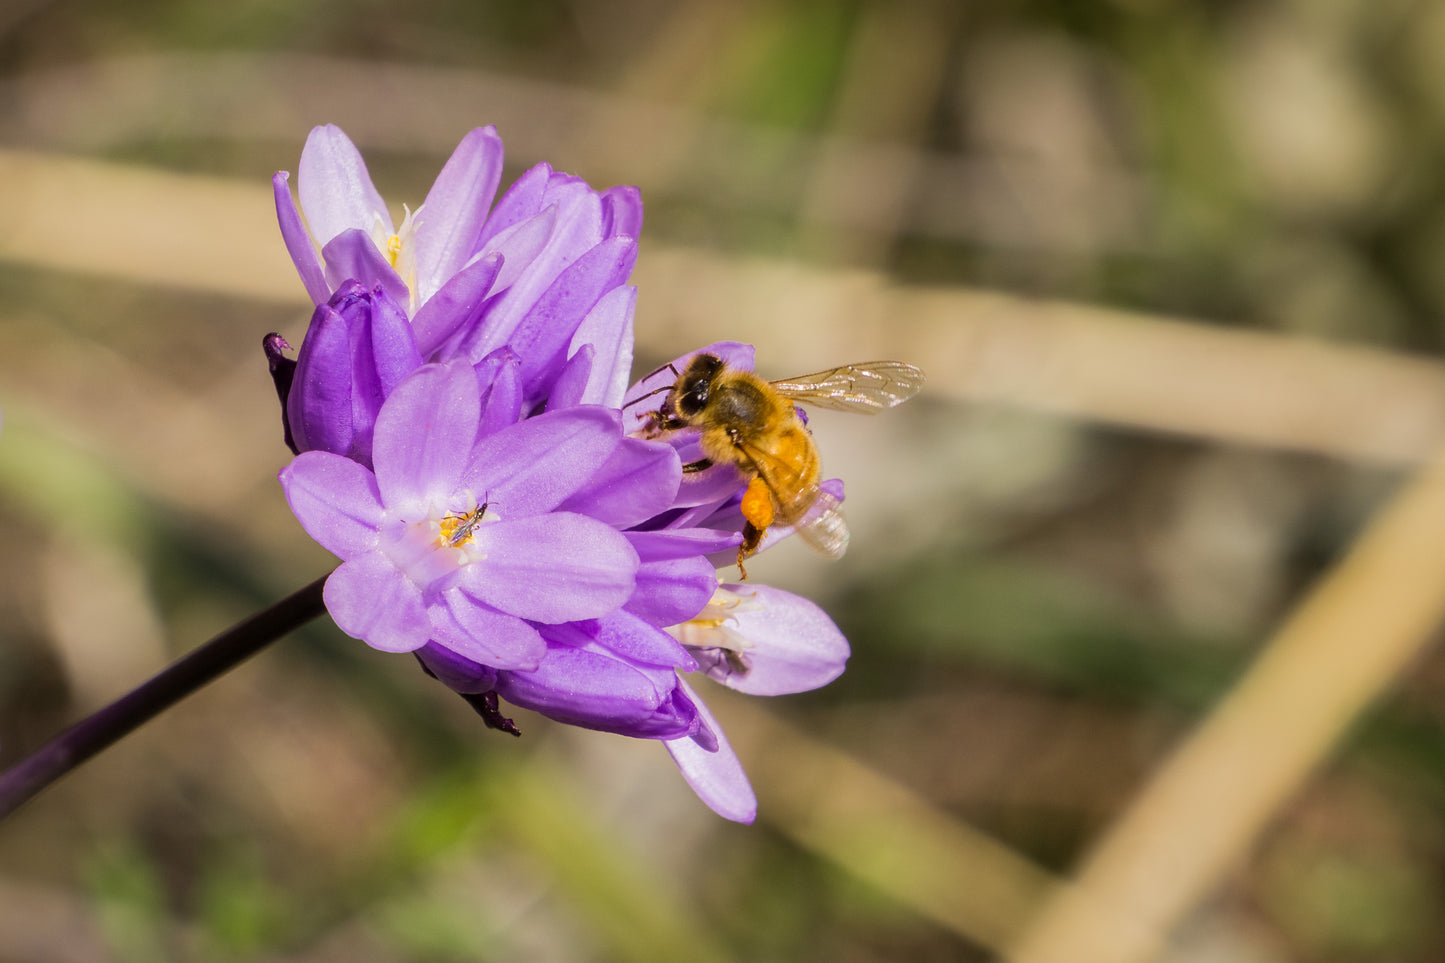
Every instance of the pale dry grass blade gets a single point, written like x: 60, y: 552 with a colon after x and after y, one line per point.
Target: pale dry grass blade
x: 1204, y: 810
x: 883, y: 833
x: 102, y: 104
x: 1120, y: 368
x: 1089, y: 363
x: 140, y: 224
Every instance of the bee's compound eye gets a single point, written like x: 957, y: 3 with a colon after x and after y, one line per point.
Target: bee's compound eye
x: 693, y: 398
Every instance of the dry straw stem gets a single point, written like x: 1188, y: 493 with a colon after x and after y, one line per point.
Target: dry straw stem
x: 141, y: 224
x: 883, y: 833
x: 103, y: 104
x: 1110, y: 366
x: 1204, y: 810
x: 1096, y: 364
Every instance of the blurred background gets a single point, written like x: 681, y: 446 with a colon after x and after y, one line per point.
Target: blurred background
x: 1143, y: 589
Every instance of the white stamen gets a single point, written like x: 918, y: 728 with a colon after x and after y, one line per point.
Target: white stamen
x: 712, y: 628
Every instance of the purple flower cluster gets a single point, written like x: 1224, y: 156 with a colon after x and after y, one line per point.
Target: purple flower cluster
x: 459, y: 409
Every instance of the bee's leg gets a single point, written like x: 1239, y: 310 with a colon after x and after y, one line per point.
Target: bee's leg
x: 752, y: 537
x: 664, y: 418
x: 659, y: 422
x: 693, y: 467
x: 757, y: 509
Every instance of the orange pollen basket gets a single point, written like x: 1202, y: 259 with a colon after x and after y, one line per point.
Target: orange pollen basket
x: 757, y: 504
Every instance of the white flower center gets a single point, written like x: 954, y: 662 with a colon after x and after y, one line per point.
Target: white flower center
x: 399, y: 249
x: 439, y: 545
x: 712, y: 628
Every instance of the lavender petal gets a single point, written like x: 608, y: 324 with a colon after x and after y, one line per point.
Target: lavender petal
x: 680, y: 543
x: 424, y: 436
x: 370, y: 600
x: 319, y: 407
x: 335, y: 188
x: 383, y: 353
x: 638, y: 481
x: 391, y: 343
x: 298, y: 242
x: 608, y: 328
x: 532, y: 466
x: 672, y: 591
x: 578, y: 230
x: 592, y: 689
x: 455, y: 672
x: 480, y: 633
x: 624, y: 634
x: 622, y: 211
x: 717, y: 777
x: 551, y: 568
x: 353, y: 256
x: 547, y: 328
x: 519, y: 245
x: 571, y: 381
x: 793, y: 646
x: 501, y: 373
x: 450, y: 220
x: 521, y: 201
x: 446, y: 312
x: 335, y: 500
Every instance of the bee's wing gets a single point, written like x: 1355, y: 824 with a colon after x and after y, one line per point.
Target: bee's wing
x: 866, y: 388
x: 815, y: 515
x: 823, y: 526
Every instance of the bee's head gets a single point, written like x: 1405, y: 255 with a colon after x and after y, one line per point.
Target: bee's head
x: 695, y: 384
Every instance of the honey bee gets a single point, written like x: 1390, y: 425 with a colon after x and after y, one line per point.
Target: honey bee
x: 752, y: 425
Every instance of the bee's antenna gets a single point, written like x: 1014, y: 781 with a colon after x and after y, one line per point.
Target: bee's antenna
x: 657, y: 371
x: 656, y: 391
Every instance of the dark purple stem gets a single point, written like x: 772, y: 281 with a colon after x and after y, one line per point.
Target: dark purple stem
x: 105, y: 726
